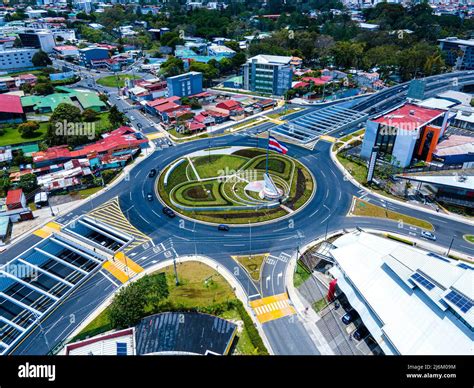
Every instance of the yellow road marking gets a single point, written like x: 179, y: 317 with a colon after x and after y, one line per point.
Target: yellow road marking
x: 48, y: 229
x: 328, y: 138
x: 116, y: 272
x: 272, y: 307
x: 120, y: 256
x: 41, y: 233
x: 155, y: 135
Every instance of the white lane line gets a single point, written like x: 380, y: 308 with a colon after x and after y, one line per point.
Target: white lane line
x: 438, y: 220
x: 109, y: 278
x: 234, y: 245
x: 313, y: 213
x: 181, y: 238
x: 286, y: 238
x: 156, y: 214
x: 324, y: 175
x: 139, y: 215
x: 322, y: 222
x: 279, y: 230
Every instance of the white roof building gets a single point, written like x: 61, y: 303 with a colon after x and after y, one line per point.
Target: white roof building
x: 413, y: 302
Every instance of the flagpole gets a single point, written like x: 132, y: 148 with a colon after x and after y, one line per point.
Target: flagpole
x: 268, y: 150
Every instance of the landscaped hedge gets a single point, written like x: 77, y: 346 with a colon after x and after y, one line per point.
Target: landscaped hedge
x: 252, y: 331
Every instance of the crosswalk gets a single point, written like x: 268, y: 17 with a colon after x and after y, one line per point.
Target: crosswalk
x: 272, y: 307
x: 48, y: 229
x: 111, y: 213
x: 122, y: 267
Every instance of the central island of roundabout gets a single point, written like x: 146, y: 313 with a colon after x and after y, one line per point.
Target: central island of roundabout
x: 235, y: 185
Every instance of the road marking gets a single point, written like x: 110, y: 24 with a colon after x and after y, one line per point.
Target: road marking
x: 286, y: 238
x: 272, y: 307
x: 109, y: 278
x: 234, y: 245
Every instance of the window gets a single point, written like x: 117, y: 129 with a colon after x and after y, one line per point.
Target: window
x: 121, y: 349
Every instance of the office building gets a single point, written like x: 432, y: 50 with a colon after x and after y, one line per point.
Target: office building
x: 269, y: 74
x: 88, y: 54
x: 184, y: 85
x: 43, y: 40
x: 17, y: 58
x: 459, y: 53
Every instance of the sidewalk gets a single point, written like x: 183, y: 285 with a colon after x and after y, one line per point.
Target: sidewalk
x: 350, y: 178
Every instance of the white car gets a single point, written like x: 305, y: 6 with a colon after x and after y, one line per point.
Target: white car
x: 428, y: 235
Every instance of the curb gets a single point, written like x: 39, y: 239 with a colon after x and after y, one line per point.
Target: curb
x: 224, y: 272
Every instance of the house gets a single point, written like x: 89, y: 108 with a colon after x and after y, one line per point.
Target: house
x: 67, y: 51
x: 15, y: 199
x: 11, y: 110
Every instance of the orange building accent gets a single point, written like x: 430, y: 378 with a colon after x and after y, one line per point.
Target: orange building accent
x: 436, y: 132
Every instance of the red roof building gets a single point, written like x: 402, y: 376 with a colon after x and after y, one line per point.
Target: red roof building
x: 15, y: 199
x: 318, y: 80
x: 229, y: 105
x: 10, y: 104
x: 409, y: 117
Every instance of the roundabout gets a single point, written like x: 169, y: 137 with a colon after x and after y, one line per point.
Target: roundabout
x: 235, y: 185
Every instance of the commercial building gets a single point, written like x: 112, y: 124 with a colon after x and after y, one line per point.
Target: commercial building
x: 218, y: 50
x: 404, y: 133
x: 413, y: 302
x: 269, y: 74
x: 15, y: 59
x: 88, y: 54
x: 185, y: 84
x: 42, y: 39
x: 458, y: 52
x: 67, y: 51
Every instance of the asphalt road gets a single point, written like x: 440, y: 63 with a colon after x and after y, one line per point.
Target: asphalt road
x: 326, y: 212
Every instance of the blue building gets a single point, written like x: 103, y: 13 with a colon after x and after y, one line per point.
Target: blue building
x: 269, y: 74
x: 184, y: 85
x: 86, y: 55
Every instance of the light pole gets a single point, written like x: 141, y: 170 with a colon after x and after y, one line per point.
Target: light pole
x: 450, y: 246
x: 327, y: 223
x: 250, y: 237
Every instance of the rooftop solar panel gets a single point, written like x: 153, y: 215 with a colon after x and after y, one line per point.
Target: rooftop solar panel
x: 422, y: 281
x: 459, y: 300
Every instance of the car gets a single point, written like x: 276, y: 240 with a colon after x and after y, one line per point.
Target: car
x: 349, y: 317
x: 223, y: 228
x: 428, y: 235
x: 360, y: 333
x: 139, y: 125
x: 149, y: 196
x: 152, y: 173
x: 168, y: 212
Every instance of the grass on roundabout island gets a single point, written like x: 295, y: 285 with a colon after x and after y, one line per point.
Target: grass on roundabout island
x: 366, y: 209
x: 115, y: 81
x: 212, y: 182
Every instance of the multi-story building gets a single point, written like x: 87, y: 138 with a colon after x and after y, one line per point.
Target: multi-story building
x: 42, y: 39
x: 16, y: 58
x: 88, y: 54
x: 270, y: 74
x: 184, y: 85
x: 459, y: 52
x: 404, y: 133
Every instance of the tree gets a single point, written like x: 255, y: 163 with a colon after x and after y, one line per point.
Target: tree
x: 43, y: 87
x: 41, y: 59
x: 127, y: 306
x: 89, y: 115
x: 62, y: 125
x: 172, y: 66
x: 103, y: 97
x: 66, y: 112
x: 116, y: 117
x: 5, y: 183
x: 28, y: 129
x: 28, y: 183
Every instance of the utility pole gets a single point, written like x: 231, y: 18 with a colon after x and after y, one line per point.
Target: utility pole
x: 175, y: 270
x: 250, y: 236
x: 450, y: 246
x: 268, y: 150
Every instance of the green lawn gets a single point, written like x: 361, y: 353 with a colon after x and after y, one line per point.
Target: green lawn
x: 252, y: 264
x: 12, y: 136
x: 213, y: 166
x: 102, y: 124
x: 366, y: 209
x: 301, y: 275
x: 358, y: 171
x: 114, y: 81
x: 200, y: 287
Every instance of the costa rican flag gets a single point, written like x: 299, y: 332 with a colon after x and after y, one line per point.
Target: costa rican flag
x: 274, y: 145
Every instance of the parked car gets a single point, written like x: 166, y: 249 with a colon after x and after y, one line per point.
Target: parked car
x: 152, y: 173
x: 349, y: 317
x: 428, y: 235
x: 168, y: 212
x: 360, y: 333
x: 149, y: 196
x: 223, y: 228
